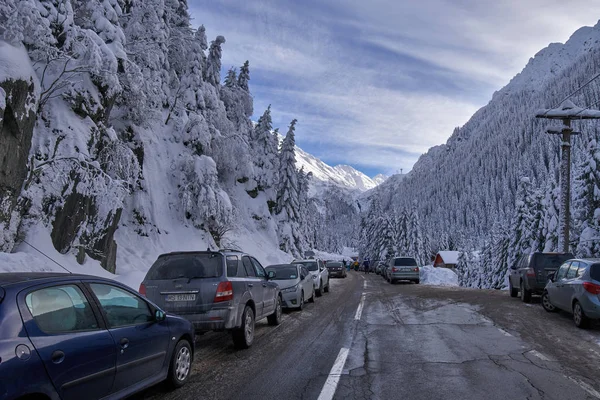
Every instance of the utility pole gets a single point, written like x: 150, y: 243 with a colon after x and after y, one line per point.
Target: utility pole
x: 566, y: 112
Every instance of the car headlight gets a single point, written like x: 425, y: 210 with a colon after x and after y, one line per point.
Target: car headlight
x: 315, y: 276
x: 290, y: 289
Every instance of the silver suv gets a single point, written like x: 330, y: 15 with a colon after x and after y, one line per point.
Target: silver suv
x: 216, y: 291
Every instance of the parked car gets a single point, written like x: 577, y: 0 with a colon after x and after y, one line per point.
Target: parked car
x: 336, y: 269
x: 320, y: 274
x: 402, y: 269
x: 215, y: 290
x: 379, y: 268
x: 575, y: 288
x: 296, y: 284
x: 71, y: 337
x: 528, y: 276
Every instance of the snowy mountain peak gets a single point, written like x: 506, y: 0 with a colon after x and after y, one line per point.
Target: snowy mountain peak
x: 343, y: 176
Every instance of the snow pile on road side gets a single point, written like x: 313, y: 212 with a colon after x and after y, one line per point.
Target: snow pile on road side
x: 431, y: 275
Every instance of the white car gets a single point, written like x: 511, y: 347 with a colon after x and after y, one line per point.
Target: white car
x: 320, y: 274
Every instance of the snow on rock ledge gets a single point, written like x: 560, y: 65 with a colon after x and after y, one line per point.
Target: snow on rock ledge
x: 431, y: 275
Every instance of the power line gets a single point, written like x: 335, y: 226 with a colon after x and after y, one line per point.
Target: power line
x: 576, y: 91
x: 42, y: 253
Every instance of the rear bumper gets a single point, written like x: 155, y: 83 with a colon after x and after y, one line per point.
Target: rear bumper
x: 214, y: 320
x: 590, y: 305
x: 409, y: 276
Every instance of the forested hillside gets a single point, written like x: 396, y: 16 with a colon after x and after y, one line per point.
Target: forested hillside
x: 492, y: 190
x: 121, y: 140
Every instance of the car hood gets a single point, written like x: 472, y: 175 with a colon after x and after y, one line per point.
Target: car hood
x: 314, y: 273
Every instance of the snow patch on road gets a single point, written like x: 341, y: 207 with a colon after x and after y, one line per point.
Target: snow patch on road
x: 430, y: 275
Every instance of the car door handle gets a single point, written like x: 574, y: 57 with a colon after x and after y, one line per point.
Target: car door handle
x: 124, y: 343
x: 58, y: 357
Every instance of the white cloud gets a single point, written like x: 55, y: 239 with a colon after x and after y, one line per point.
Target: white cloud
x: 442, y: 60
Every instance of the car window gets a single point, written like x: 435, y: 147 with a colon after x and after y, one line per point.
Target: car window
x: 406, y: 262
x: 260, y: 271
x: 304, y: 271
x: 121, y: 307
x: 573, y: 270
x: 175, y: 266
x: 61, y: 309
x: 248, y: 266
x: 310, y: 265
x: 232, y: 265
x: 582, y: 268
x: 562, y: 271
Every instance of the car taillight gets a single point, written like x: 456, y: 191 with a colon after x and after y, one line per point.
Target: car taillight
x: 394, y: 269
x: 531, y: 272
x: 591, y: 287
x: 142, y: 289
x: 416, y: 269
x: 224, y: 292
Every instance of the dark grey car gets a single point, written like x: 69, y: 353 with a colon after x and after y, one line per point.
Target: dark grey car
x: 575, y: 288
x: 529, y: 274
x: 222, y: 290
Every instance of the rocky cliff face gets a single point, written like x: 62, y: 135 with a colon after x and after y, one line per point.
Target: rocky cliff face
x: 17, y: 120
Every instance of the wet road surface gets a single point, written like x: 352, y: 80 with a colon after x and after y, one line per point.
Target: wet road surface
x: 367, y: 339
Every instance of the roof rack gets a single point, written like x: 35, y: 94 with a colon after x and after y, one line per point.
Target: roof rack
x: 232, y: 250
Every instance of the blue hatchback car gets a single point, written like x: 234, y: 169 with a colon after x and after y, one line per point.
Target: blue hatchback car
x: 73, y: 337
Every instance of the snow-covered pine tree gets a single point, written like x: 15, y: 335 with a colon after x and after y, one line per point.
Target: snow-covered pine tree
x: 551, y: 211
x: 287, y: 195
x: 244, y: 76
x: 523, y: 221
x: 212, y: 74
x: 231, y: 78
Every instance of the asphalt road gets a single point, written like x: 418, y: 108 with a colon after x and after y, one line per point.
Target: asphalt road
x: 368, y: 339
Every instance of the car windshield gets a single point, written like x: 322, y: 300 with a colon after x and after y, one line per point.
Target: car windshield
x: 283, y: 273
x: 595, y: 272
x: 310, y: 265
x: 405, y: 262
x: 199, y: 265
x: 334, y: 264
x: 550, y: 260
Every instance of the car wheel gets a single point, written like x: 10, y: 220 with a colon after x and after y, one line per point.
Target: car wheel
x: 244, y: 336
x: 392, y: 281
x: 327, y: 287
x: 275, y: 318
x: 312, y: 298
x: 181, y: 364
x: 418, y: 281
x: 320, y: 290
x: 525, y: 294
x: 301, y: 306
x: 513, y: 292
x: 548, y: 306
x: 579, y: 317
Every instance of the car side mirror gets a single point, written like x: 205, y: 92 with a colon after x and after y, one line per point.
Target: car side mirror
x: 551, y: 277
x: 159, y: 316
x: 271, y: 275
x: 302, y: 277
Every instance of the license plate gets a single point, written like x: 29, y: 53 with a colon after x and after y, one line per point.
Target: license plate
x: 181, y: 297
x: 406, y: 269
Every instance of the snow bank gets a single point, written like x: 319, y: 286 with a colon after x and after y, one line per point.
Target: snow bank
x: 15, y: 64
x: 430, y: 275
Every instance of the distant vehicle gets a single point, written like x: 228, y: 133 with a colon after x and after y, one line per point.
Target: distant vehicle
x: 528, y: 276
x: 575, y: 288
x: 295, y: 282
x: 319, y: 273
x: 216, y: 291
x: 336, y: 269
x: 71, y: 337
x: 380, y: 268
x: 402, y: 269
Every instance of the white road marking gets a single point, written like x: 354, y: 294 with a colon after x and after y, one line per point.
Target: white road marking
x: 360, y: 307
x: 539, y: 355
x: 365, y: 284
x: 591, y: 391
x: 331, y: 383
x: 502, y: 331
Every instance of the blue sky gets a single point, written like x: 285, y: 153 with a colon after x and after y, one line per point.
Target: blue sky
x: 376, y: 83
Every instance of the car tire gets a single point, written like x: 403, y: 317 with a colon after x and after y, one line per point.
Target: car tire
x: 392, y: 281
x: 301, y: 306
x: 275, y: 318
x: 548, y: 306
x: 181, y: 364
x: 320, y: 290
x: 244, y: 335
x: 312, y: 298
x: 579, y: 317
x: 418, y: 281
x: 513, y: 292
x: 525, y: 294
x: 327, y: 287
